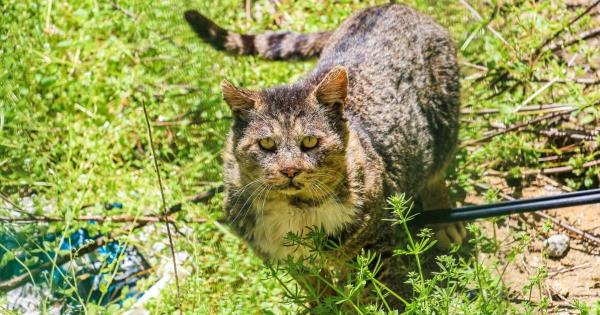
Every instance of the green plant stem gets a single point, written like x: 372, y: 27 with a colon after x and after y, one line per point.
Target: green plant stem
x: 415, y: 253
x: 164, y: 206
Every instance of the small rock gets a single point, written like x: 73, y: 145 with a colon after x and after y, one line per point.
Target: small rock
x: 556, y: 245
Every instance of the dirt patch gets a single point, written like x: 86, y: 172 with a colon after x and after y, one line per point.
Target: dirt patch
x: 575, y: 276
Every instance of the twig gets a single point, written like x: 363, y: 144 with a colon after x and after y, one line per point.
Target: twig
x: 570, y: 228
x: 554, y: 183
x: 15, y: 206
x: 164, y: 206
x: 563, y: 270
x: 589, y: 237
x: 545, y: 86
x: 524, y: 263
x: 569, y: 148
x: 249, y: 9
x: 577, y: 38
x: 544, y: 171
x: 554, y: 107
x: 562, y: 169
x: 552, y: 158
x: 478, y: 16
x: 576, y: 134
x: 116, y: 6
x: 584, y: 81
x: 574, y: 126
x: 501, y: 126
x: 98, y: 218
x: 538, y: 50
x: 514, y: 127
x: 555, y: 133
x: 474, y: 66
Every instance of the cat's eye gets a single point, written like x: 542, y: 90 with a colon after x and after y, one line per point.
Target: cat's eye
x: 309, y: 142
x: 267, y: 144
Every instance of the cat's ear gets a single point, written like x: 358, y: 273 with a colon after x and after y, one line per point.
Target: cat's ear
x: 239, y: 100
x: 333, y: 88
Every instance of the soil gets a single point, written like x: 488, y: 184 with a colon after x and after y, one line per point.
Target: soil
x: 575, y: 276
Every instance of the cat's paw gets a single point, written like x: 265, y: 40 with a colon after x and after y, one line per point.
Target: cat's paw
x: 448, y: 234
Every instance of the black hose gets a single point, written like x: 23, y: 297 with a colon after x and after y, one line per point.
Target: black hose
x: 509, y: 207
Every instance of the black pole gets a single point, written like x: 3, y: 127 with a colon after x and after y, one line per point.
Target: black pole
x: 509, y: 207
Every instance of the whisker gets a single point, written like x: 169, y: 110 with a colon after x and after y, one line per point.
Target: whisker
x: 240, y: 191
x: 334, y: 197
x: 262, y: 189
x: 243, y: 208
x: 262, y: 209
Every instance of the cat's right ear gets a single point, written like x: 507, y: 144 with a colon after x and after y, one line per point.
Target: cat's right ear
x: 333, y: 88
x: 240, y: 100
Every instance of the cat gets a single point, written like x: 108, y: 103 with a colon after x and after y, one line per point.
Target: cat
x: 377, y: 116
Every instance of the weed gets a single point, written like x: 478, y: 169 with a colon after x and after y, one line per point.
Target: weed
x: 72, y: 139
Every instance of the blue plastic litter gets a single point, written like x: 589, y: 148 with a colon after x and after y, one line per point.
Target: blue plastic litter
x: 471, y: 295
x: 113, y: 205
x: 95, y: 278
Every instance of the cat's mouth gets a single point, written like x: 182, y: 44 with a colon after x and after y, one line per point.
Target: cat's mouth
x: 291, y: 187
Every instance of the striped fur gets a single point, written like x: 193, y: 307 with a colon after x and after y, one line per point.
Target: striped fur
x: 269, y: 45
x: 383, y: 100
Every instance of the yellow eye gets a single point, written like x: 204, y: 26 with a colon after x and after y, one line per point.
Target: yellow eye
x: 310, y: 142
x: 267, y: 144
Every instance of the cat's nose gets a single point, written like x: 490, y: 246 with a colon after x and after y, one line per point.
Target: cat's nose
x: 290, y: 171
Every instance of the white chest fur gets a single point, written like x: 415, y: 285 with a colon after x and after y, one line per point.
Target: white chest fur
x: 279, y: 218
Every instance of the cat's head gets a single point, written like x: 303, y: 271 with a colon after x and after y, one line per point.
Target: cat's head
x: 291, y: 139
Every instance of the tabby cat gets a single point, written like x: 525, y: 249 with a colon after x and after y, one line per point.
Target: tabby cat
x: 377, y: 116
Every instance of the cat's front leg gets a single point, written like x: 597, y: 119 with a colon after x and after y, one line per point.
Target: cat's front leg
x: 435, y: 195
x: 448, y: 234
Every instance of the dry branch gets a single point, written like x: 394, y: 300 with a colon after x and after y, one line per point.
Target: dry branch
x: 575, y: 134
x: 584, y: 81
x: 249, y: 9
x: 529, y: 108
x: 515, y: 127
x: 553, y: 158
x: 200, y: 198
x: 575, y: 39
x: 570, y: 228
x: 564, y: 270
x: 555, y: 133
x: 544, y: 171
x: 554, y: 183
x: 538, y: 50
x: 98, y: 218
x: 16, y: 208
x: 116, y: 6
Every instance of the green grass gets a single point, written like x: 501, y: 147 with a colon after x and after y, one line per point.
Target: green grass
x: 73, y: 75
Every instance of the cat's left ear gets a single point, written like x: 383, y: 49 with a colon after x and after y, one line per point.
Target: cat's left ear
x: 240, y: 100
x: 333, y: 88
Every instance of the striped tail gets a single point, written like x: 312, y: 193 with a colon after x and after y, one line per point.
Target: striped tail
x: 269, y: 45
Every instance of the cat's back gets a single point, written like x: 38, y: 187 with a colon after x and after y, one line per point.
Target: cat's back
x: 404, y: 87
